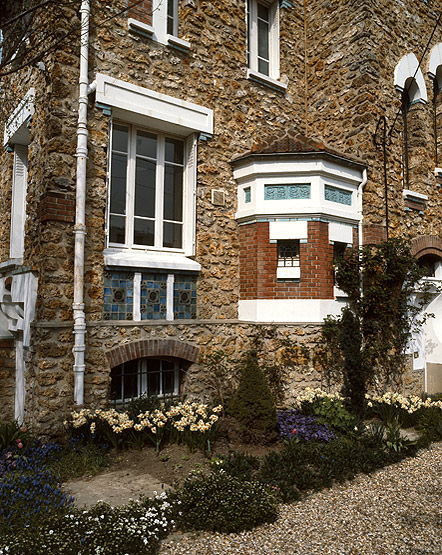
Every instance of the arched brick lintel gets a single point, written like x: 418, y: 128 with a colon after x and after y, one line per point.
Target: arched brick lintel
x: 152, y: 348
x: 426, y: 244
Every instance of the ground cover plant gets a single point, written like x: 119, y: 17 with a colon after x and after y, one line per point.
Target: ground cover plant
x: 240, y: 492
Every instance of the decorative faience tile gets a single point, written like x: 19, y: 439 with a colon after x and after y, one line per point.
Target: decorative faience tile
x: 341, y: 196
x: 287, y: 192
x: 118, y: 295
x: 153, y: 296
x: 184, y: 297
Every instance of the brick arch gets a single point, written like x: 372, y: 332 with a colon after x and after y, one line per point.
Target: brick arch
x: 426, y: 244
x: 152, y: 348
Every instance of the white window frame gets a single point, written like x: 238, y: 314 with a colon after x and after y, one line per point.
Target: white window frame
x: 142, y: 373
x: 252, y: 43
x: 189, y: 185
x: 293, y: 270
x: 158, y: 30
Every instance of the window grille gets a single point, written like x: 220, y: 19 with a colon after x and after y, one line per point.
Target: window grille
x: 288, y: 254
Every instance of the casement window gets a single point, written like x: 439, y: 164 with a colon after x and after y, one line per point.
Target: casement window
x: 147, y: 376
x: 288, y: 261
x: 18, y: 210
x: 157, y: 19
x: 263, y: 38
x: 151, y: 190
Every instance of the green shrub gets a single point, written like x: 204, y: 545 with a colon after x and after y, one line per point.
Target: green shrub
x: 312, y: 466
x: 222, y: 503
x: 239, y: 465
x: 253, y: 406
x: 429, y: 422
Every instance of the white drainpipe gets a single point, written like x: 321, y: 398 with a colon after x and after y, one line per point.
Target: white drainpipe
x: 80, y: 227
x: 360, y: 193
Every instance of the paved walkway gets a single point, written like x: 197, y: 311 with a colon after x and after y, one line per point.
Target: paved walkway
x: 396, y: 511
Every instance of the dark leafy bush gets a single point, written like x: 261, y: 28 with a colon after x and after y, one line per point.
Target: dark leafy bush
x: 253, y: 406
x: 312, y: 466
x: 221, y: 503
x: 12, y: 434
x: 294, y: 425
x: 134, y: 529
x: 429, y: 422
x: 238, y: 465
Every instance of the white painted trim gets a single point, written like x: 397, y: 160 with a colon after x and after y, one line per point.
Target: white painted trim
x: 288, y: 230
x: 408, y: 67
x: 412, y: 194
x: 284, y: 272
x: 18, y: 208
x: 266, y: 80
x: 340, y: 233
x: 136, y: 313
x: 136, y: 25
x: 154, y: 260
x: 289, y: 310
x: 274, y: 55
x: 435, y: 63
x: 156, y: 107
x: 169, y: 297
x: 176, y: 42
x: 19, y: 117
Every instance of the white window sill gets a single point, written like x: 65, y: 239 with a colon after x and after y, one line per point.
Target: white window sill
x: 147, y: 30
x: 179, y: 44
x: 266, y: 80
x: 149, y: 260
x: 338, y: 293
x: 140, y: 27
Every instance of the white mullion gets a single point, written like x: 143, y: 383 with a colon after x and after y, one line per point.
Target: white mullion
x: 130, y: 187
x: 274, y: 41
x: 169, y: 296
x: 253, y: 48
x: 159, y: 193
x: 108, y: 179
x: 137, y: 297
x: 142, y: 376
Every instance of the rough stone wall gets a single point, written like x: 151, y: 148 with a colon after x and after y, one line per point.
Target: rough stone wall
x: 349, y: 85
x: 353, y: 49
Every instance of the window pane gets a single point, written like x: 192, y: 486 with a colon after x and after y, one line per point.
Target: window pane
x: 119, y: 138
x: 153, y: 383
x: 174, y: 151
x: 168, y: 382
x: 116, y: 382
x: 263, y: 12
x: 145, y: 188
x: 130, y: 379
x: 144, y: 232
x: 172, y: 235
x: 173, y: 193
x: 118, y: 184
x: 263, y: 39
x: 263, y: 67
x: 146, y: 144
x: 117, y: 233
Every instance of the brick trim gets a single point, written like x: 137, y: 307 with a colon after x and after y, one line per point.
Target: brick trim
x: 152, y: 348
x: 426, y: 244
x: 6, y: 343
x: 56, y: 206
x: 372, y: 234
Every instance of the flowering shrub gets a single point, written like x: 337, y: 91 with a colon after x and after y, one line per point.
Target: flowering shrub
x: 190, y: 423
x: 293, y: 425
x: 11, y: 433
x: 133, y: 529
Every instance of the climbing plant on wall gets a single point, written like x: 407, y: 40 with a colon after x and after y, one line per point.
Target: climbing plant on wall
x: 386, y: 295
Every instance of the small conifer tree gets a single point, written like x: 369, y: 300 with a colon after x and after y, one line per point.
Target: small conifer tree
x: 253, y: 406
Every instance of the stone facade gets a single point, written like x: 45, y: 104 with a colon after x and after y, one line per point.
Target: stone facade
x: 336, y: 78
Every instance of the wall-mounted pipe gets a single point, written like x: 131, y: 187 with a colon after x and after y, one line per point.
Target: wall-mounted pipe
x: 80, y: 226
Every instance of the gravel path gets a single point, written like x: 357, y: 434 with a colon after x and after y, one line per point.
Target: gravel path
x: 396, y: 511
